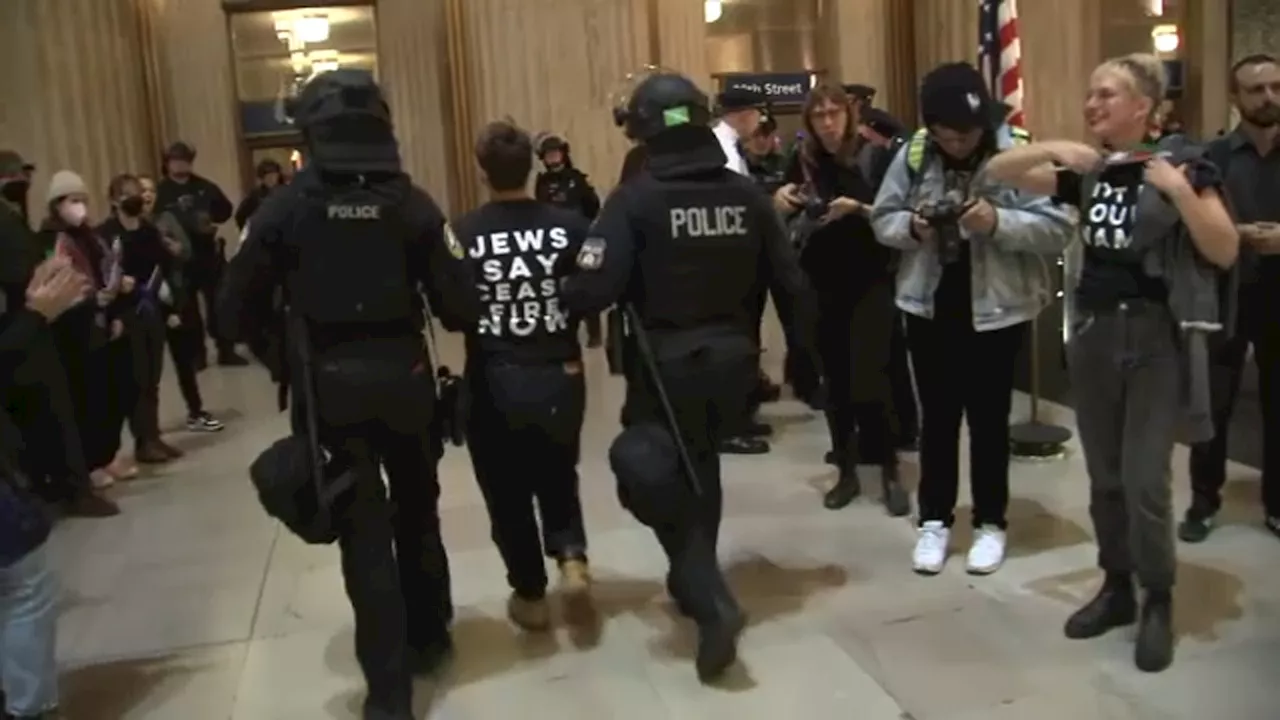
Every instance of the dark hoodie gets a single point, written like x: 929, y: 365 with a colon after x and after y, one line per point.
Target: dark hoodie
x: 200, y: 207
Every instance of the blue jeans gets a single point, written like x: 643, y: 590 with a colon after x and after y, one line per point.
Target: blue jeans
x: 28, y: 635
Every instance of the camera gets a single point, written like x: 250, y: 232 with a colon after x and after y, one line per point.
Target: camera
x: 944, y: 217
x: 814, y: 207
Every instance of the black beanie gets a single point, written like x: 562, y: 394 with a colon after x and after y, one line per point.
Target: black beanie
x: 955, y: 96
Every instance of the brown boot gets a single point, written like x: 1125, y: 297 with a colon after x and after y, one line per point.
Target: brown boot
x: 150, y: 453
x: 89, y: 504
x: 529, y: 615
x: 173, y: 452
x: 575, y: 576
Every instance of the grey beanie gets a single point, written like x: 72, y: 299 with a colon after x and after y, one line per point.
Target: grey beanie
x: 66, y: 183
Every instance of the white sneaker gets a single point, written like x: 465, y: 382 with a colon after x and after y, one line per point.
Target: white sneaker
x: 931, y: 548
x: 986, y: 555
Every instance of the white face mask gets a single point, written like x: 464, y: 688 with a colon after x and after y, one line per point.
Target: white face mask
x: 73, y: 212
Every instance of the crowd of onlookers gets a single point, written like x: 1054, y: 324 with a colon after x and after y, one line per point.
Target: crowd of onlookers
x: 89, y: 307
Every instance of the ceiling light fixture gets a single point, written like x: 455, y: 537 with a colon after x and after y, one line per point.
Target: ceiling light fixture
x: 712, y: 10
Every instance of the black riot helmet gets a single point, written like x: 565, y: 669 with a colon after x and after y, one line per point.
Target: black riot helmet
x: 660, y: 100
x: 346, y: 124
x: 546, y: 142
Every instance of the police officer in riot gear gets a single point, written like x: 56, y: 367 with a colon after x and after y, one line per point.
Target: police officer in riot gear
x: 565, y: 186
x: 684, y: 247
x: 350, y: 243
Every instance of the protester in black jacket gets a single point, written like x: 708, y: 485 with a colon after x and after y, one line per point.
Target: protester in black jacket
x: 200, y: 207
x: 565, y: 186
x: 38, y: 398
x: 28, y: 592
x: 270, y: 175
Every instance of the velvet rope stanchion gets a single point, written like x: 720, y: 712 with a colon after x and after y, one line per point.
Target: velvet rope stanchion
x: 1035, y: 439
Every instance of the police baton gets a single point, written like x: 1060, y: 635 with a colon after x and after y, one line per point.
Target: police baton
x: 326, y: 492
x: 651, y: 364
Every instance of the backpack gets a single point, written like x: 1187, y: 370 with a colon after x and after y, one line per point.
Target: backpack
x: 349, y: 263
x: 920, y: 150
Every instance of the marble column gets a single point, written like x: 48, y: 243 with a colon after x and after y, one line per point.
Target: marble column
x: 1061, y: 45
x: 547, y: 68
x: 194, y: 82
x: 1207, y: 32
x: 680, y: 28
x: 73, y: 96
x: 871, y: 42
x: 413, y: 65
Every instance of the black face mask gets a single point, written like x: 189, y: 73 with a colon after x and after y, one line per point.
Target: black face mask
x: 131, y: 206
x: 16, y: 191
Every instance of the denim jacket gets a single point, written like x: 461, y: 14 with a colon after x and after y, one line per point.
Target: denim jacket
x: 1011, y: 267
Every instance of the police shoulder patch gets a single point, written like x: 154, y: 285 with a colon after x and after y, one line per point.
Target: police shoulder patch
x: 451, y: 242
x: 591, y: 255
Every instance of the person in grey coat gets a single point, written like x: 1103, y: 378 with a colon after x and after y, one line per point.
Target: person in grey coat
x: 1143, y: 299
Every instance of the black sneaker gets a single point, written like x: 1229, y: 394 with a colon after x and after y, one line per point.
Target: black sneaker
x: 1195, y: 527
x: 204, y: 422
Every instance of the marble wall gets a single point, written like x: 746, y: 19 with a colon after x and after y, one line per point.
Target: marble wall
x: 1255, y: 27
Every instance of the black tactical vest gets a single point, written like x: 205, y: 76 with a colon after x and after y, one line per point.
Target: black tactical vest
x: 350, y: 265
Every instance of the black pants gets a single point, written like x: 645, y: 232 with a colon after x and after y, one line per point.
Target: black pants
x: 109, y: 394
x: 1257, y: 327
x: 523, y: 436
x: 146, y: 334
x: 375, y: 404
x: 595, y: 331
x: 854, y: 332
x: 179, y: 340
x: 202, y: 275
x: 963, y: 373
x: 797, y: 370
x: 706, y: 381
x: 42, y: 409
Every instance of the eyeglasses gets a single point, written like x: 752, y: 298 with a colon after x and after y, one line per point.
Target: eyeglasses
x: 827, y: 114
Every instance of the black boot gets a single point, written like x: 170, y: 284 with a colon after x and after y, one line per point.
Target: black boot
x: 700, y: 591
x: 1114, y: 606
x: 896, y: 500
x: 848, y: 487
x: 1154, y: 651
x: 430, y: 657
x: 846, y: 490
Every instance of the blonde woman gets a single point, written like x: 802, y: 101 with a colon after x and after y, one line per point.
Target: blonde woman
x: 1153, y: 235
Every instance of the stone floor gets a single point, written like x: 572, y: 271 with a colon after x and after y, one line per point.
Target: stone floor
x: 192, y: 605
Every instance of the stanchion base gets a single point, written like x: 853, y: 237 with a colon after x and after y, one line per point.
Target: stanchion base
x: 1037, y: 440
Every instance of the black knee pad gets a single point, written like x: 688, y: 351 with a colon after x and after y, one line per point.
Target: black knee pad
x: 646, y: 462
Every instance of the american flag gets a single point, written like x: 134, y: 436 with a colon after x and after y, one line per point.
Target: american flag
x: 1000, y: 54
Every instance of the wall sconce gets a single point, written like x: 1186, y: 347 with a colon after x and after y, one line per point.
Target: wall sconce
x: 712, y: 10
x: 1164, y: 38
